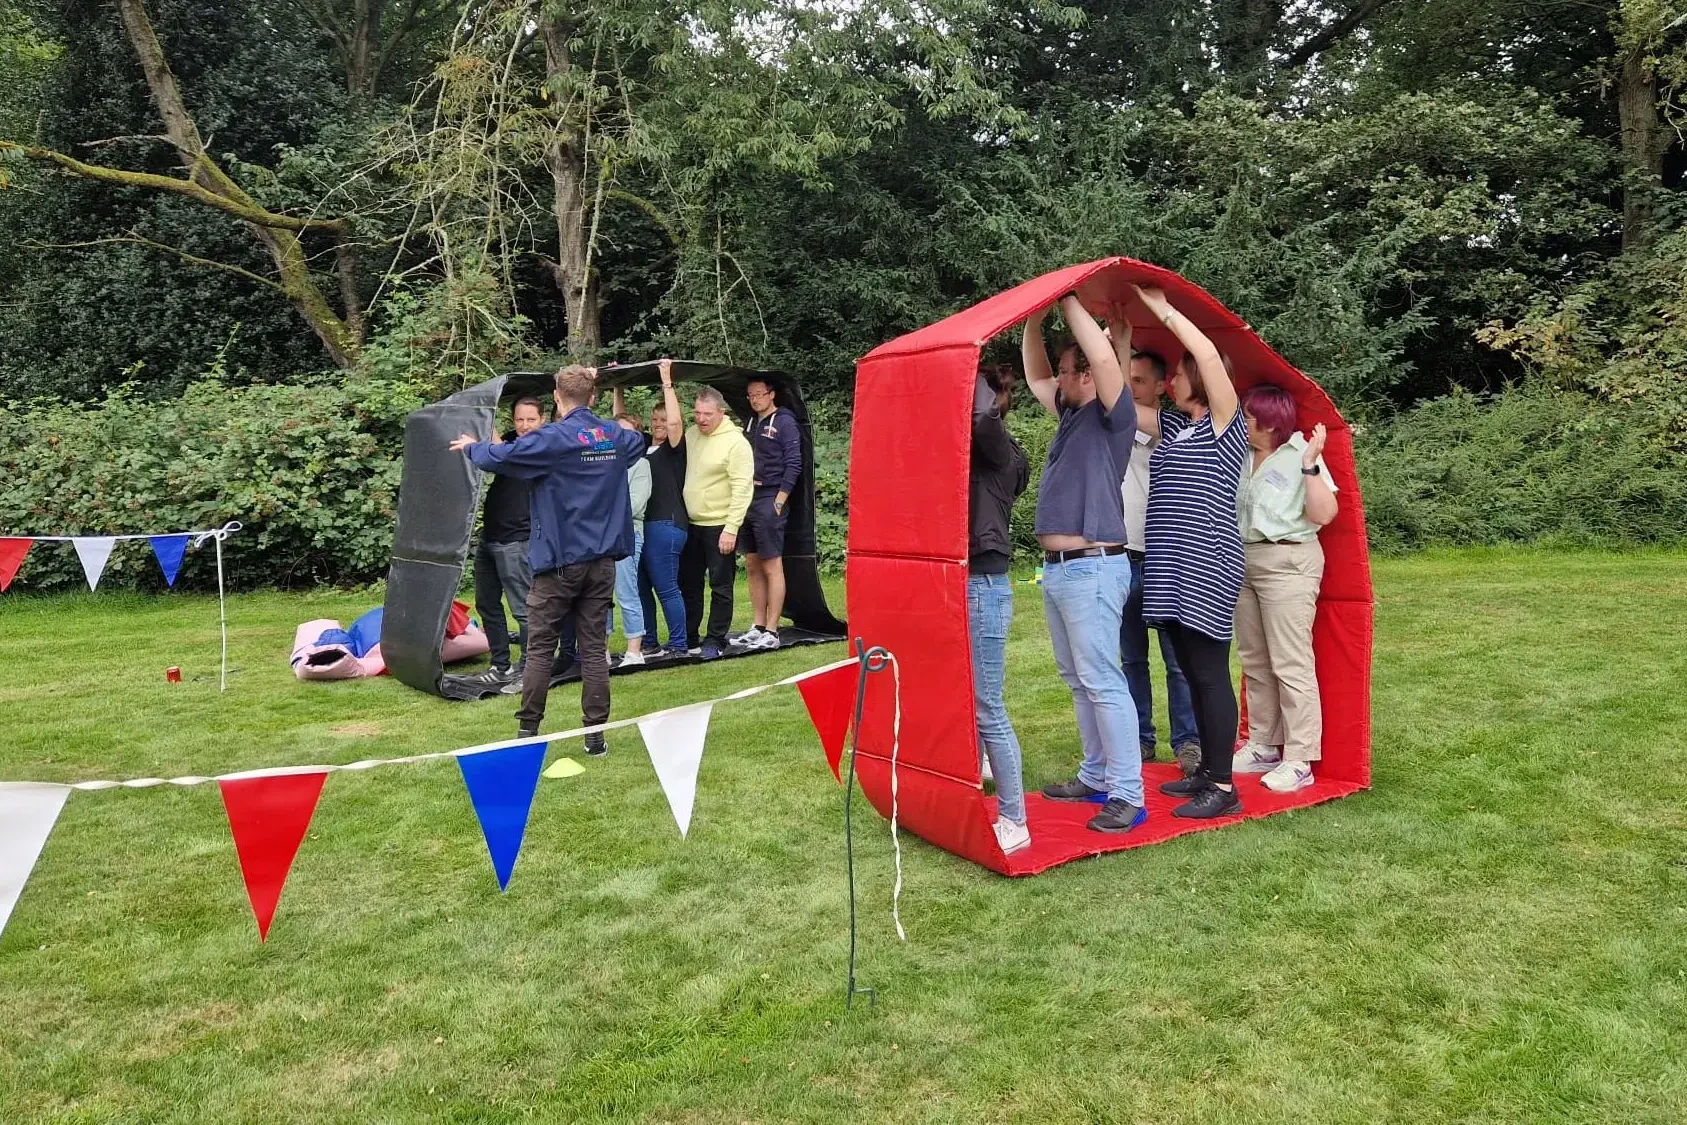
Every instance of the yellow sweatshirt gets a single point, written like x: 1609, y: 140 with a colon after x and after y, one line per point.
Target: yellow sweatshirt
x: 719, y: 468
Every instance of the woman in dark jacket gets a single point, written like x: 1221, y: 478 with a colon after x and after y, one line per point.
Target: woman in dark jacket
x: 999, y: 473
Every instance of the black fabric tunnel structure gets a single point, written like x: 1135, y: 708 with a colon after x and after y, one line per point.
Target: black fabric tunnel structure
x: 439, y: 500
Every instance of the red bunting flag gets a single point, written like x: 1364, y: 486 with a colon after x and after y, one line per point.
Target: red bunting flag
x: 830, y: 698
x: 12, y: 551
x: 268, y: 817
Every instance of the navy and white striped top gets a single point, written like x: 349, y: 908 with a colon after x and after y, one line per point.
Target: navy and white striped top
x: 1192, y: 571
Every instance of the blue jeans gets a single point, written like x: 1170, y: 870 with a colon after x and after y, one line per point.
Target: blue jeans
x: 626, y: 592
x: 1133, y: 650
x: 658, y: 580
x: 989, y: 616
x: 1084, y: 601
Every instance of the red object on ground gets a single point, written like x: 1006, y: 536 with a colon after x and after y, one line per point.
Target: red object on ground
x: 830, y: 698
x: 906, y: 575
x: 12, y: 551
x: 268, y: 817
x: 173, y: 674
x: 457, y: 621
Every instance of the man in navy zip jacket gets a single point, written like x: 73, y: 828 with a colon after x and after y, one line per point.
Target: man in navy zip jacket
x: 778, y: 451
x: 581, y: 524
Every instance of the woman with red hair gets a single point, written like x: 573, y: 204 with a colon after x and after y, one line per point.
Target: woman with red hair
x: 1285, y: 496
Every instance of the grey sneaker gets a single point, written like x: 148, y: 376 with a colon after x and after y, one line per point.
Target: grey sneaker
x: 1117, y: 815
x: 1073, y: 790
x: 1149, y: 753
x: 1188, y: 756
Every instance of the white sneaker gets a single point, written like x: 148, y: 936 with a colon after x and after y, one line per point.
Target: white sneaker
x: 766, y: 639
x: 1254, y: 758
x: 631, y: 660
x: 1288, y: 777
x: 984, y: 769
x: 746, y: 638
x: 1012, y: 837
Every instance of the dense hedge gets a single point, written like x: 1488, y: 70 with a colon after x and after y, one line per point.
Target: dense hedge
x: 1524, y: 466
x: 310, y: 469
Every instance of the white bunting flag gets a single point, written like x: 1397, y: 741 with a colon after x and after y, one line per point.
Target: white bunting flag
x: 675, y: 743
x: 28, y: 811
x: 93, y: 550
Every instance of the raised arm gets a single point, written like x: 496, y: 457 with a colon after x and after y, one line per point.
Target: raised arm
x: 1320, y: 500
x: 1104, y: 365
x: 1221, y: 392
x: 670, y: 401
x: 990, y: 443
x: 1039, y: 376
x: 1119, y: 328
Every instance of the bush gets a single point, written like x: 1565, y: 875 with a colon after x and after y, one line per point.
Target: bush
x: 310, y: 469
x: 1526, y: 465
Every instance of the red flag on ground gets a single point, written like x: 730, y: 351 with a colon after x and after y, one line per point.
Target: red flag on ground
x: 12, y: 551
x: 268, y: 817
x: 830, y: 698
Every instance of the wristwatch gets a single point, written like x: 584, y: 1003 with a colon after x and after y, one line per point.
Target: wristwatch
x: 1312, y: 472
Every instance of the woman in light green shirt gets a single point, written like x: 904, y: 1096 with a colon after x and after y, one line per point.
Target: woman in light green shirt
x: 1284, y: 497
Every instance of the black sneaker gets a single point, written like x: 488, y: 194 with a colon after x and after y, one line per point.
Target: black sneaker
x: 527, y: 732
x: 1188, y: 755
x: 1211, y: 802
x: 494, y: 675
x: 1186, y: 787
x: 1149, y: 753
x: 1117, y: 815
x: 596, y: 747
x: 1073, y: 790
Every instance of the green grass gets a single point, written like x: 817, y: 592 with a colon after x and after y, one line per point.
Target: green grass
x: 1494, y: 933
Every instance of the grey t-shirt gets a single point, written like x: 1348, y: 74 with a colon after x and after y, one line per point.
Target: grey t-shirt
x: 1079, y: 493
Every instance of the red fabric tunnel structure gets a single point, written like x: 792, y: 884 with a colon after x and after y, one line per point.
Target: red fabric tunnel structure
x: 907, y: 574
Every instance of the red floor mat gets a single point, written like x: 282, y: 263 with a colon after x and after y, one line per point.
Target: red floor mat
x: 1058, y: 834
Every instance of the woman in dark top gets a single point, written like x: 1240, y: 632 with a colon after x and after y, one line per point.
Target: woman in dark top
x: 1192, y: 572
x: 999, y: 473
x: 665, y: 523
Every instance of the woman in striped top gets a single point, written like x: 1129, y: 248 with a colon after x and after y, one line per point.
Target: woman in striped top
x: 1193, y: 568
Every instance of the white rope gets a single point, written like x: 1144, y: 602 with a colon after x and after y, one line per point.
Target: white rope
x: 895, y: 839
x: 371, y: 763
x: 201, y: 533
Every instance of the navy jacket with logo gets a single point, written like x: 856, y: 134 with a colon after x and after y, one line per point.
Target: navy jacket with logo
x: 578, y: 466
x: 778, y: 450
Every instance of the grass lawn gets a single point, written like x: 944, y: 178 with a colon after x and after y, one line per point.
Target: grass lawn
x: 1494, y: 933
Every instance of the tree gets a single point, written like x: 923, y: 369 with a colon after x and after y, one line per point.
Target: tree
x: 204, y: 181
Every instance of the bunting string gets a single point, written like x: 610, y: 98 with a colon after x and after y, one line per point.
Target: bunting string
x: 372, y: 763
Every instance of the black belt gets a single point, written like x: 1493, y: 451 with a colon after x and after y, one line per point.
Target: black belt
x: 1137, y: 556
x: 1081, y: 553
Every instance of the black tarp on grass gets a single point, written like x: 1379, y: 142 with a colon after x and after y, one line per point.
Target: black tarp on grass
x: 439, y: 500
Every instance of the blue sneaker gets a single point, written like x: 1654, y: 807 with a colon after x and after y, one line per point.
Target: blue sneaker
x: 711, y: 651
x: 1117, y: 816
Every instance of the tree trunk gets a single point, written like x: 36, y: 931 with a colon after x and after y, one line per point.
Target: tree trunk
x: 1644, y: 144
x: 1246, y: 31
x: 285, y: 248
x: 566, y: 156
x: 365, y: 41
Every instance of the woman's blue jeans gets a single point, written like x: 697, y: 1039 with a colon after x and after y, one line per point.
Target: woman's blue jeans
x: 989, y: 617
x: 658, y: 580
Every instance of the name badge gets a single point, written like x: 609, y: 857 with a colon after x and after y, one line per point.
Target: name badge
x: 1142, y: 437
x: 1276, y: 479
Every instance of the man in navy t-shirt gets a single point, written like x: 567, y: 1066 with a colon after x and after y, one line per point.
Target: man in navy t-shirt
x: 581, y: 524
x: 772, y: 430
x: 1086, y: 571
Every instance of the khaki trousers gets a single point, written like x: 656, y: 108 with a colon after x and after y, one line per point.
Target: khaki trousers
x: 1274, y: 641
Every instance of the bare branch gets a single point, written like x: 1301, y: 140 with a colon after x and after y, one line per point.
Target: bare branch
x: 137, y: 240
x: 1330, y: 35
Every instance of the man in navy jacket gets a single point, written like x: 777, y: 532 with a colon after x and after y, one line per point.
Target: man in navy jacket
x: 581, y: 524
x: 772, y: 431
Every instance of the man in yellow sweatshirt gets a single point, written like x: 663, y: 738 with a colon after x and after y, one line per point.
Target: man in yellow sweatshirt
x: 719, y: 468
